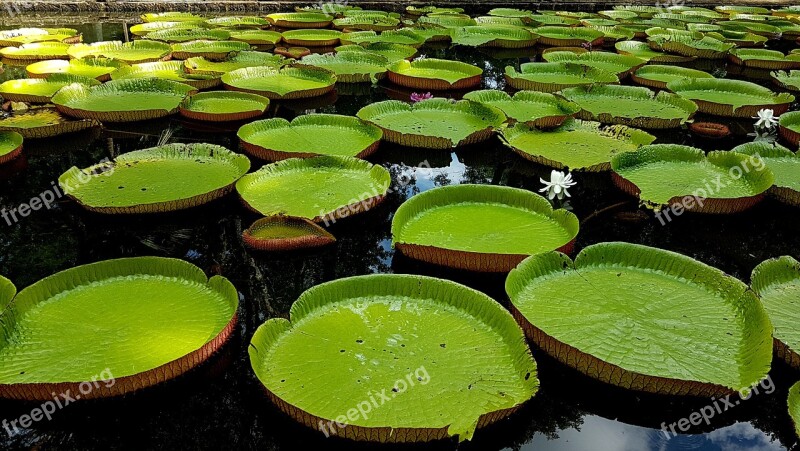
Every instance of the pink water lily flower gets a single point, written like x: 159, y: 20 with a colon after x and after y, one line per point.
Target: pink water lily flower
x: 416, y: 96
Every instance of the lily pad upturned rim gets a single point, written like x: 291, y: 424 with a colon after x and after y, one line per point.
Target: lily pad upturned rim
x: 312, y: 38
x: 73, y: 176
x: 637, y: 92
x: 75, y: 91
x: 103, y: 48
x: 214, y: 50
x: 370, y: 112
x: 777, y: 272
x: 359, y: 67
x: 36, y: 70
x: 640, y: 76
x: 750, y: 58
x: 789, y: 127
x: 82, y: 275
x: 518, y: 80
x: 168, y: 70
x: 497, y: 36
x: 469, y: 260
x: 780, y: 78
x: 210, y: 116
x: 300, y: 20
x: 48, y: 51
x: 316, y: 236
x: 300, y: 71
x: 471, y: 75
x: 567, y: 108
x: 622, y: 132
x: 681, y: 153
x: 626, y: 256
x: 630, y: 48
x: 12, y: 150
x: 778, y: 102
x: 17, y: 90
x: 626, y: 63
x: 56, y: 128
x: 451, y: 294
x: 793, y: 403
x: 568, y: 36
x: 768, y: 151
x: 319, y: 119
x: 378, y: 173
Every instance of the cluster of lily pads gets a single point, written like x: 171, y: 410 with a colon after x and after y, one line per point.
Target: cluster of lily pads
x: 712, y: 334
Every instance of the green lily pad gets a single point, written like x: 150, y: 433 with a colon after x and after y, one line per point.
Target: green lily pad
x: 703, y: 47
x: 166, y: 70
x: 10, y: 148
x: 186, y: 35
x: 285, y: 233
x: 787, y: 79
x: 482, y: 365
x: 502, y: 36
x: 238, y: 22
x: 552, y: 77
x: 644, y: 319
x: 223, y: 106
x: 97, y: 68
x: 404, y: 36
x: 148, y: 27
x: 139, y: 321
x: 530, y: 107
x: 37, y: 51
x: 286, y: 83
x: 40, y: 90
x: 761, y: 29
x: 312, y: 38
x: 657, y: 76
x: 621, y: 65
x: 725, y: 97
x: 739, y: 38
x: 577, y: 145
x: 765, y: 59
x: 171, y: 16
x: 448, y: 20
x: 777, y: 282
x: 615, y: 34
x: 631, y: 105
x: 434, y: 74
x: 552, y: 20
x: 665, y: 174
x: 480, y: 227
x: 213, y: 50
x: 256, y: 37
x: 643, y: 51
x: 509, y: 12
x: 783, y: 163
x: 794, y: 406
x: 422, y: 10
x: 320, y: 188
x: 350, y: 67
x: 122, y: 100
x: 167, y: 178
x: 300, y: 20
x: 15, y: 37
x: 568, y: 36
x: 497, y: 20
x: 375, y: 22
x: 44, y: 123
x: 241, y: 60
x: 310, y: 135
x: 392, y: 52
x: 434, y: 123
x: 141, y: 51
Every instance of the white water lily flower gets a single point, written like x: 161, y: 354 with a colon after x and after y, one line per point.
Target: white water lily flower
x: 558, y: 185
x: 766, y: 118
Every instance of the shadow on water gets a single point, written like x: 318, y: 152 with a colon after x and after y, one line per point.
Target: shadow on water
x: 221, y: 405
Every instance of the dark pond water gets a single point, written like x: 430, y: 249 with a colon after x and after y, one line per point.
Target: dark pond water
x: 221, y: 406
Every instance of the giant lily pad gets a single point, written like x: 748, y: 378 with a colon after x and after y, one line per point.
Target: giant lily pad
x: 552, y: 77
x: 670, y: 174
x: 312, y: 38
x: 739, y: 38
x: 19, y: 36
x: 287, y: 83
x: 310, y: 135
x: 482, y: 366
x: 171, y: 16
x: 406, y: 36
x: 537, y: 109
x: 503, y: 36
x: 704, y: 47
x: 122, y: 100
x: 238, y: 22
x: 167, y: 178
x: 300, y: 20
x: 448, y: 20
x: 789, y: 127
x: 644, y: 319
x: 577, y: 145
x: 351, y: 67
x: 765, y: 59
x: 320, y: 188
x: 143, y: 29
x: 135, y: 52
x: 643, y: 51
x: 794, y: 406
x: 434, y: 74
x: 222, y: 106
x: 285, y: 233
x: 256, y: 37
x: 10, y: 148
x: 783, y: 163
x: 733, y: 98
x: 44, y: 123
x: 392, y: 52
x: 631, y: 105
x: 204, y: 66
x: 777, y: 282
x: 568, y: 36
x: 615, y: 63
x: 510, y: 12
x: 166, y: 70
x: 761, y: 29
x: 139, y: 321
x: 375, y: 22
x: 40, y: 90
x: 37, y: 51
x: 657, y: 76
x: 213, y: 50
x: 192, y: 34
x: 480, y: 227
x: 787, y: 79
x: 98, y: 68
x: 422, y: 10
x: 435, y: 123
